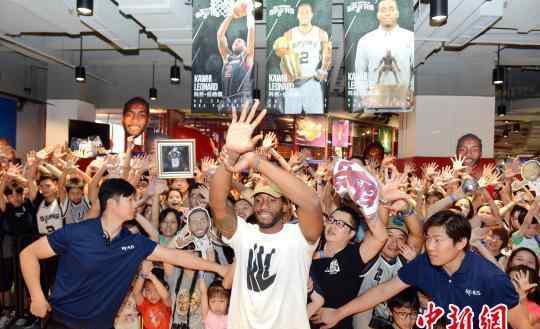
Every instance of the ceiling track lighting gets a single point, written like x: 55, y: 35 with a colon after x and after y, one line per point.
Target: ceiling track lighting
x: 85, y: 7
x: 498, y: 72
x: 175, y: 73
x: 153, y: 93
x: 516, y: 128
x: 506, y: 132
x: 438, y: 11
x: 80, y: 72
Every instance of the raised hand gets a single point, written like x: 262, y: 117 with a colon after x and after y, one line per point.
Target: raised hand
x: 32, y: 159
x: 408, y: 252
x: 430, y: 169
x: 390, y: 190
x: 239, y: 138
x: 71, y: 163
x: 521, y: 282
x: 14, y: 170
x: 388, y: 161
x: 417, y: 184
x: 446, y: 174
x: 457, y: 163
x: 512, y: 170
x: 269, y: 141
x: 409, y: 168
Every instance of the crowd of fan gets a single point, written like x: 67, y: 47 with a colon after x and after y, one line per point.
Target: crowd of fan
x: 47, y: 190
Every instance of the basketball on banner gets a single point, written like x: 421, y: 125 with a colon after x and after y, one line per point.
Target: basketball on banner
x: 299, y: 55
x: 223, y: 54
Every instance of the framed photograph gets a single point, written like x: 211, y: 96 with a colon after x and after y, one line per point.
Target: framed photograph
x: 176, y: 158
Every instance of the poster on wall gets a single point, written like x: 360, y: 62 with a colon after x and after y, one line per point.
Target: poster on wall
x: 340, y: 133
x: 223, y: 54
x: 379, y: 55
x: 299, y: 55
x: 385, y: 136
x: 312, y: 131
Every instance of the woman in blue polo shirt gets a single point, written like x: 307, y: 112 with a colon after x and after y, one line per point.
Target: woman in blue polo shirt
x: 449, y: 272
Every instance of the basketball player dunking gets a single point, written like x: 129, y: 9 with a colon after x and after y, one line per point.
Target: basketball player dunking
x: 306, y: 57
x: 238, y: 61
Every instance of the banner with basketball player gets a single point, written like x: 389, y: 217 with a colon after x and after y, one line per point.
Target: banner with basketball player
x: 299, y: 55
x: 312, y: 131
x: 379, y: 55
x: 223, y: 54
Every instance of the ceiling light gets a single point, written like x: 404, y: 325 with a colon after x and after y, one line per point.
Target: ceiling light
x: 85, y: 7
x: 438, y: 11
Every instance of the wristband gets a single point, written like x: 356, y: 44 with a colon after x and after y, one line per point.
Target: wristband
x: 143, y: 275
x: 250, y: 20
x: 453, y: 198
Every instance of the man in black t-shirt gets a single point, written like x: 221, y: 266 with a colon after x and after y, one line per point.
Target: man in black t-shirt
x: 339, y: 263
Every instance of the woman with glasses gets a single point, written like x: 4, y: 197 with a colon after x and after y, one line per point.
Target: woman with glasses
x: 340, y: 261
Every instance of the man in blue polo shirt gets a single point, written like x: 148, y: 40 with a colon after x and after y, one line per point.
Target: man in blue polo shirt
x: 98, y: 259
x: 448, y: 272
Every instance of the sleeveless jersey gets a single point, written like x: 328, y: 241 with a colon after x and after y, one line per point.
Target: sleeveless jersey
x: 74, y: 213
x: 49, y: 217
x: 236, y: 75
x: 308, y: 48
x: 376, y: 272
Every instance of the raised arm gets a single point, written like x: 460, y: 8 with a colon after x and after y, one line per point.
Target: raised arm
x: 250, y: 47
x: 223, y: 45
x: 375, y: 238
x: 238, y: 141
x: 533, y: 210
x: 185, y: 259
x: 374, y: 296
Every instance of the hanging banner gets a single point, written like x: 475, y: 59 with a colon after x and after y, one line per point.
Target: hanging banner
x: 340, y: 133
x: 299, y: 55
x: 379, y: 55
x: 312, y: 131
x: 223, y: 54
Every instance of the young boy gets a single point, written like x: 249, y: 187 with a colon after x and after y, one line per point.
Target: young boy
x: 152, y: 299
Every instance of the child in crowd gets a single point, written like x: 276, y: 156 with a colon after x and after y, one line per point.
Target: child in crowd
x: 214, y: 304
x: 152, y: 298
x: 527, y: 235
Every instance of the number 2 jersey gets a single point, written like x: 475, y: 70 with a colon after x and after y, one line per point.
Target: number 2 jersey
x: 308, y: 47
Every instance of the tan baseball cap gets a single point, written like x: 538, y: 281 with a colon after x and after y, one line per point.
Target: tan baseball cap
x: 268, y: 188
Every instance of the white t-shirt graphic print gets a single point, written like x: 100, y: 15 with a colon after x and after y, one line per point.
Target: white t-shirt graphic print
x: 270, y: 280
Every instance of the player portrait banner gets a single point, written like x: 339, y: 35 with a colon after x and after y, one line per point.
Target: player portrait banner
x: 312, y: 131
x: 223, y: 54
x: 379, y: 55
x: 299, y: 55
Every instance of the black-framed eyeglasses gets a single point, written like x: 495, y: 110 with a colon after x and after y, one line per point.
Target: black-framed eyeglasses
x: 339, y: 223
x: 10, y: 191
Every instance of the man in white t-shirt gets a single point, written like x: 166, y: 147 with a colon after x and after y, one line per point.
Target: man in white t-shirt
x: 272, y: 259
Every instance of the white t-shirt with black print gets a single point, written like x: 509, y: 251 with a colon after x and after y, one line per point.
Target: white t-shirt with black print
x: 270, y: 280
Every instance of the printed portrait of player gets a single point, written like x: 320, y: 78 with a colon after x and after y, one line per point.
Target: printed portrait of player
x: 384, y: 61
x: 135, y: 116
x: 239, y: 58
x: 306, y: 56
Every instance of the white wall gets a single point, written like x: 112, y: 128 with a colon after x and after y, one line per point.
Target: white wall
x: 439, y: 121
x: 59, y: 112
x: 30, y: 128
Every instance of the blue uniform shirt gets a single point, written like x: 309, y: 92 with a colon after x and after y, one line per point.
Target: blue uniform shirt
x: 93, y: 275
x: 476, y: 283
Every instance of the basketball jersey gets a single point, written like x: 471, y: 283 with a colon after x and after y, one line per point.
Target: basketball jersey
x: 235, y: 75
x: 308, y: 48
x: 74, y: 213
x: 377, y: 271
x: 49, y: 217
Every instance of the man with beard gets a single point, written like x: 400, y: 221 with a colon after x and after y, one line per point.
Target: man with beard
x: 469, y: 148
x: 272, y: 258
x: 450, y: 273
x: 237, y: 61
x: 135, y: 116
